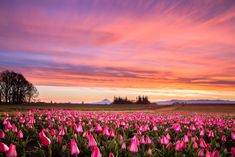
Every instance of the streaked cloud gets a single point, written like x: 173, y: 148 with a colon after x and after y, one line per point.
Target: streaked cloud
x: 108, y: 43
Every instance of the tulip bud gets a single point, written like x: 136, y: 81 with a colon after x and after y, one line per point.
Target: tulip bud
x: 2, y: 134
x: 53, y: 132
x: 233, y: 136
x: 74, y: 148
x: 20, y: 134
x: 123, y: 145
x: 111, y: 154
x: 215, y: 153
x: 195, y: 145
x: 91, y: 141
x: 169, y: 146
x: 134, y: 146
x: 12, y: 151
x: 45, y: 141
x: 208, y: 154
x: 201, y: 153
x: 233, y: 151
x: 142, y: 140
x: 223, y: 138
x: 96, y: 152
x: 148, y: 140
x: 149, y: 152
x: 3, y: 147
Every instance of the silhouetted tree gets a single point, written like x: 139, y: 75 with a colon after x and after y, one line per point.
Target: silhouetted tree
x: 31, y: 92
x: 139, y: 100
x: 119, y: 100
x: 1, y: 94
x: 14, y: 88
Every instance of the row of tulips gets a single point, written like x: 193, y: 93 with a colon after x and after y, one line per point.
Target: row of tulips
x: 108, y: 134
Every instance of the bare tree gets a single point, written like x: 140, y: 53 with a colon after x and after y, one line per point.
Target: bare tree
x: 5, y: 84
x: 1, y: 94
x: 14, y: 88
x: 31, y: 92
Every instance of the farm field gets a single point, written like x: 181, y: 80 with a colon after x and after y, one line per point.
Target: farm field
x: 216, y: 108
x: 152, y: 132
x: 224, y: 108
x: 112, y: 78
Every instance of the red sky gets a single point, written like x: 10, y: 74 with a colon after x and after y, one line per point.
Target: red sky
x: 93, y: 49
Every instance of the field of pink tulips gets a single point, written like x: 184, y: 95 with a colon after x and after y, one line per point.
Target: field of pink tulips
x: 72, y: 133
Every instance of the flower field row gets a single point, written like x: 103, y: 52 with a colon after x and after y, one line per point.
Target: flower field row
x: 107, y: 134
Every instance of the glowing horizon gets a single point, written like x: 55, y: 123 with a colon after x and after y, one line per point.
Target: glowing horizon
x: 97, y: 46
x: 93, y: 94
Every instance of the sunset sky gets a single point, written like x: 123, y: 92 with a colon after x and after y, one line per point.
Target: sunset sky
x: 88, y: 50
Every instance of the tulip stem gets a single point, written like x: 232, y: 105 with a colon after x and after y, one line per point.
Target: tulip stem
x: 49, y: 151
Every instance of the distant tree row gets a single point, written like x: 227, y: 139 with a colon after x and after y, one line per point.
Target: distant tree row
x: 15, y: 89
x: 120, y: 100
x: 142, y: 100
x: 139, y: 100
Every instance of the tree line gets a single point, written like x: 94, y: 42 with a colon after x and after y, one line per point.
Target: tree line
x: 15, y: 89
x: 139, y: 100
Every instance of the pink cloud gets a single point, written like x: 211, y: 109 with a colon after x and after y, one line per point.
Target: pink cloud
x: 143, y: 45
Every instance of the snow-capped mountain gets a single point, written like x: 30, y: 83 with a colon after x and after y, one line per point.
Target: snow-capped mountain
x: 171, y: 102
x: 103, y: 102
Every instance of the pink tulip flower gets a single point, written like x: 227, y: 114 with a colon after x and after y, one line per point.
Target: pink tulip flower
x: 142, y: 140
x: 12, y: 151
x: 134, y: 146
x: 148, y: 140
x: 79, y: 128
x: 169, y: 146
x: 164, y: 140
x: 233, y: 151
x: 211, y: 134
x: 223, y: 138
x: 62, y: 132
x: 192, y: 127
x: 45, y: 141
x: 202, y: 143
x: 123, y: 145
x: 233, y: 136
x: 150, y: 152
x: 20, y: 134
x: 98, y: 128
x: 111, y: 154
x: 178, y: 146
x: 112, y: 132
x: 215, y: 153
x: 14, y: 128
x: 155, y: 128
x: 85, y: 134
x: 96, y: 152
x: 3, y: 147
x: 2, y: 134
x: 186, y: 139
x: 195, y: 145
x: 74, y: 148
x: 202, y: 132
x: 201, y: 153
x: 58, y: 139
x: 208, y: 154
x: 53, y: 132
x: 91, y: 141
x: 106, y: 131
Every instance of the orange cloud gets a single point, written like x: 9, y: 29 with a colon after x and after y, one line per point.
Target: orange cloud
x: 180, y: 45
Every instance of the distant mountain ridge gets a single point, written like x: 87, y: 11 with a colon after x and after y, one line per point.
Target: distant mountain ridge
x: 171, y: 102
